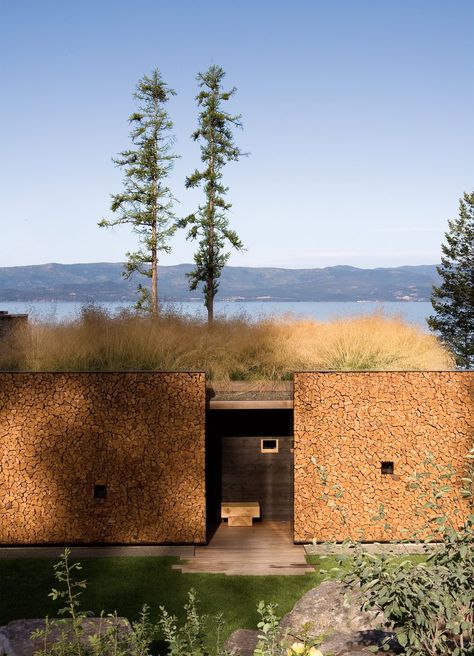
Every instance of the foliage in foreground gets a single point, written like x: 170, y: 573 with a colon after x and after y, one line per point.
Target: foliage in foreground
x: 66, y: 636
x: 198, y: 635
x: 453, y: 300
x: 237, y: 349
x: 429, y: 605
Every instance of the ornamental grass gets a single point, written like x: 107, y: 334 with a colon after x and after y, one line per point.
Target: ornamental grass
x: 229, y: 349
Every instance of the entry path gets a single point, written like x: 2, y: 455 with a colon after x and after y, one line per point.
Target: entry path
x: 262, y: 549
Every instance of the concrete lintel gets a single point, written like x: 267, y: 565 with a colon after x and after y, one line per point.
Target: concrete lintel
x: 251, y: 405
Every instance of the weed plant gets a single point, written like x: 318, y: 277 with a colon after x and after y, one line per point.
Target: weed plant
x: 197, y: 635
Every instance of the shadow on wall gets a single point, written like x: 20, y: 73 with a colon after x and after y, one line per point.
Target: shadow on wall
x: 360, y: 438
x: 104, y: 458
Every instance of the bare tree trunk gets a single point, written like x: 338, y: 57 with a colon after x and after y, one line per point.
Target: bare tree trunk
x: 210, y: 301
x: 154, y: 279
x: 210, y: 279
x: 154, y: 257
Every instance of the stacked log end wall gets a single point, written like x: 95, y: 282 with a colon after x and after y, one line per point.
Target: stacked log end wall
x: 347, y: 424
x: 142, y: 435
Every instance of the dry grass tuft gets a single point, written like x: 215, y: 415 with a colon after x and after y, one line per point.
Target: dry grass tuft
x: 235, y: 349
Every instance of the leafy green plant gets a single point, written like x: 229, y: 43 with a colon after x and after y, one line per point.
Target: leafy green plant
x: 273, y: 642
x: 67, y: 636
x: 269, y: 643
x: 429, y: 605
x: 191, y: 637
x: 300, y: 649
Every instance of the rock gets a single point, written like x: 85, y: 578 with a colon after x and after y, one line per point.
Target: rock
x: 330, y: 607
x: 5, y: 647
x: 242, y: 642
x: 329, y: 610
x: 15, y: 637
x: 334, y: 611
x: 354, y: 643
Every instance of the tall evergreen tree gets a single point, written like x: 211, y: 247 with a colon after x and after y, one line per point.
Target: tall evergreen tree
x: 146, y: 202
x: 210, y: 224
x: 453, y: 300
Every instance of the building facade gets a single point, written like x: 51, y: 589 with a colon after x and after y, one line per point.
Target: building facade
x: 146, y: 458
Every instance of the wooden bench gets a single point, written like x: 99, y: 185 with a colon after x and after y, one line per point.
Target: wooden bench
x: 240, y: 513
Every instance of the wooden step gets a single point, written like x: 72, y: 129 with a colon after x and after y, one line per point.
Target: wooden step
x: 264, y: 549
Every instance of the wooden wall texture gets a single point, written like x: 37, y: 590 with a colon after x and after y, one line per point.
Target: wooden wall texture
x: 249, y: 475
x: 140, y: 434
x: 143, y: 436
x: 348, y: 423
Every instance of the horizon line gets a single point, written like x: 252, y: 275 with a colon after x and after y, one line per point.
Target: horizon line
x: 227, y: 266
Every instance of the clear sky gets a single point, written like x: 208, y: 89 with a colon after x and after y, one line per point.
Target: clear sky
x: 358, y: 116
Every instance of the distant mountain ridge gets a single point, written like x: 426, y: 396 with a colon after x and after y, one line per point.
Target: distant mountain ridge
x: 103, y: 282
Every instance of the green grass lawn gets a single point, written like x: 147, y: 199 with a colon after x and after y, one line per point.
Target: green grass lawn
x: 125, y: 584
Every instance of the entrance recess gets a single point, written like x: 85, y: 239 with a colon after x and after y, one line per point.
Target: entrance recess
x: 250, y: 459
x: 250, y: 473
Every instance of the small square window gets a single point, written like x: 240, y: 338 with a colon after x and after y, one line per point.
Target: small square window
x: 100, y: 491
x: 269, y: 446
x: 387, y: 467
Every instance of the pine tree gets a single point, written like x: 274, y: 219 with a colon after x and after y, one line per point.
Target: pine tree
x: 453, y: 300
x: 146, y: 202
x: 210, y: 224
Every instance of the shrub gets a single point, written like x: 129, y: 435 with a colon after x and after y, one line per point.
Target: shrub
x: 429, y: 605
x: 194, y: 636
x: 66, y: 636
x: 273, y: 643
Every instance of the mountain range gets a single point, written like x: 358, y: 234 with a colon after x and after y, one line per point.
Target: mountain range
x: 103, y: 282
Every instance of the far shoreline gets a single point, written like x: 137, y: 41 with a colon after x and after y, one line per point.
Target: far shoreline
x: 413, y: 311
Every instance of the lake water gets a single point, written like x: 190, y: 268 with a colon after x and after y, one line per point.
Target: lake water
x: 411, y: 312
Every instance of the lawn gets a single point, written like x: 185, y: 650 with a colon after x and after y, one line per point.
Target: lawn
x: 125, y: 584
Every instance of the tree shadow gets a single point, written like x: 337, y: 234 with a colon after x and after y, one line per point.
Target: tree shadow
x: 140, y: 436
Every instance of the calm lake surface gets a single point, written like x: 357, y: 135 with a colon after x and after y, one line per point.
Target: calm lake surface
x: 411, y: 312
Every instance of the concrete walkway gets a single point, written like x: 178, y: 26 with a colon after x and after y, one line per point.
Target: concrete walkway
x: 266, y: 548
x: 397, y: 548
x: 100, y: 551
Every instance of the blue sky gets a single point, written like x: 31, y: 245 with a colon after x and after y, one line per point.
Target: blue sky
x: 358, y: 116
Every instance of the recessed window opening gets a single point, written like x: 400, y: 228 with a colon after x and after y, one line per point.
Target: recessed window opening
x: 100, y: 491
x: 269, y: 446
x: 387, y: 467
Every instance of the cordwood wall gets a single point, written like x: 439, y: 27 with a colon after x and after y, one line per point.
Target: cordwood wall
x: 142, y: 435
x: 347, y: 424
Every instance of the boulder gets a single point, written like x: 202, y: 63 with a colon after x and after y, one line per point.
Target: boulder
x: 242, y: 642
x: 333, y: 611
x: 15, y: 637
x: 329, y: 607
x: 329, y: 610
x: 355, y: 643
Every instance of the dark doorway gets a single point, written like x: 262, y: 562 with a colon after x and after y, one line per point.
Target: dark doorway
x: 249, y: 457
